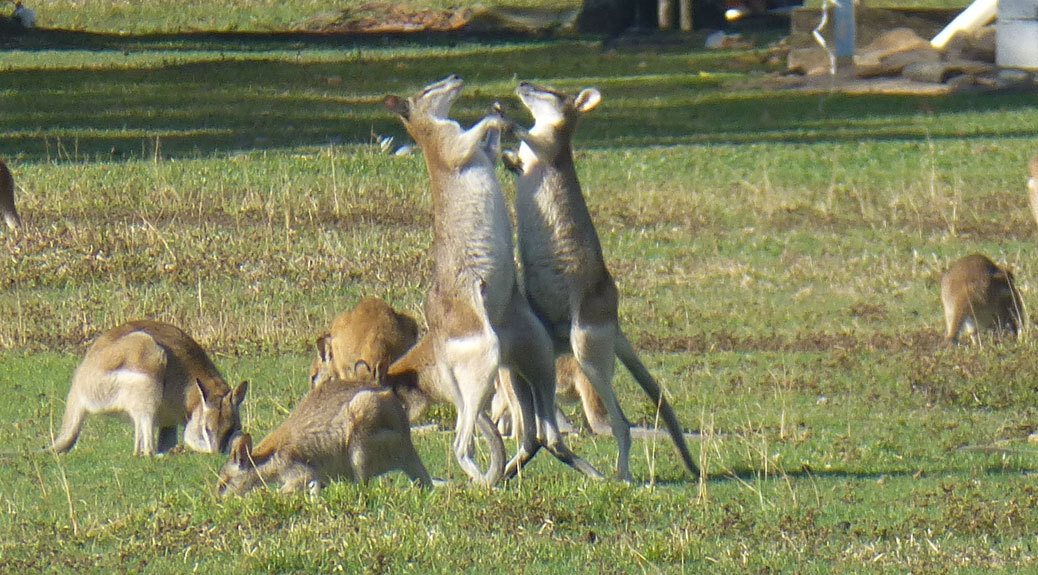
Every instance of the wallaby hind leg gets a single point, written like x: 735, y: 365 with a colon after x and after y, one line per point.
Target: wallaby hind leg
x: 526, y: 427
x: 594, y: 351
x: 474, y: 366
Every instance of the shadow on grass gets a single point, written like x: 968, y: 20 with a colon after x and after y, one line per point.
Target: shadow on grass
x: 199, y: 94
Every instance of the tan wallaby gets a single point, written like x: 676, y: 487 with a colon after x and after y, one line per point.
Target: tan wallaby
x: 372, y: 333
x: 157, y: 376
x: 1032, y: 187
x: 572, y: 386
x: 978, y: 295
x: 340, y: 430
x: 7, y: 197
x: 478, y: 319
x: 564, y: 272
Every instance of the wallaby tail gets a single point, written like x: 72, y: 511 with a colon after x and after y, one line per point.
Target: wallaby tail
x: 71, y: 423
x: 496, y: 467
x: 630, y: 360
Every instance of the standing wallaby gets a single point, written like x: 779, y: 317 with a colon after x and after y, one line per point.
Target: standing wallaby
x: 564, y: 271
x: 372, y: 333
x: 478, y: 319
x: 7, y: 198
x: 1032, y: 187
x: 978, y: 295
x: 340, y: 430
x: 157, y: 376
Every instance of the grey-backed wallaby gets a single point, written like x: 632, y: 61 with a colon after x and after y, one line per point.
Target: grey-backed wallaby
x: 371, y: 334
x: 978, y: 295
x: 157, y: 376
x: 564, y: 272
x: 478, y: 319
x: 340, y: 430
x: 7, y: 208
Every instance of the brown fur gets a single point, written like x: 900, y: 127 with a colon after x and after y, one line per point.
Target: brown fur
x: 372, y: 333
x: 979, y: 296
x: 564, y: 271
x: 478, y: 319
x: 158, y: 376
x: 340, y: 430
x: 1032, y: 187
x: 7, y: 209
x: 573, y: 386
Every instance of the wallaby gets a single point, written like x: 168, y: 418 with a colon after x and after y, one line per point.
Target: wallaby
x: 372, y: 333
x: 572, y: 386
x: 564, y: 272
x: 157, y: 376
x: 7, y: 198
x: 340, y: 430
x: 1032, y: 187
x: 978, y: 295
x: 478, y: 319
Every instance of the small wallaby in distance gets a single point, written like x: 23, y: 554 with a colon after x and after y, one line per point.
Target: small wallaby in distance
x: 1032, y: 187
x: 478, y: 319
x: 340, y: 430
x: 7, y: 208
x: 979, y: 296
x: 564, y: 271
x: 372, y: 333
x: 157, y: 376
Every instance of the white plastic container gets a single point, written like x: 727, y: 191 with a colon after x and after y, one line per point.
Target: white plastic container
x: 1016, y: 43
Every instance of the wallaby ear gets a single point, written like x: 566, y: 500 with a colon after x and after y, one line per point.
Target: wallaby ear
x: 361, y: 364
x: 202, y: 391
x: 241, y: 450
x: 398, y: 105
x: 587, y: 99
x: 381, y: 368
x: 324, y: 347
x: 239, y: 393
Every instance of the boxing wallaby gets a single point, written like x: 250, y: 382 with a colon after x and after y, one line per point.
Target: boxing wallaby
x: 978, y: 295
x: 372, y: 333
x: 564, y: 273
x: 340, y: 430
x: 157, y: 376
x: 478, y: 319
x: 7, y: 198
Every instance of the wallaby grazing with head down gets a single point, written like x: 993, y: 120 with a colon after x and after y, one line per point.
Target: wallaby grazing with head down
x: 7, y: 208
x: 564, y: 272
x: 979, y: 296
x: 372, y: 333
x: 340, y: 430
x: 572, y: 386
x: 157, y: 376
x: 1032, y: 187
x: 478, y: 319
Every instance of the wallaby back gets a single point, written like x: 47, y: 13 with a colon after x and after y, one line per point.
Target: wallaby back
x: 977, y: 295
x: 158, y: 376
x: 7, y: 208
x: 340, y: 430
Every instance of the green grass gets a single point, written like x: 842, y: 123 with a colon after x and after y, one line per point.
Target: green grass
x: 778, y: 255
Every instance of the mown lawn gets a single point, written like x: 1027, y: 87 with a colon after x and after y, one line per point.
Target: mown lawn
x: 778, y: 254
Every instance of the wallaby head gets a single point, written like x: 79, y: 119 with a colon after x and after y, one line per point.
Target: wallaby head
x: 238, y: 474
x: 556, y: 114
x: 7, y: 209
x: 215, y: 419
x: 978, y: 295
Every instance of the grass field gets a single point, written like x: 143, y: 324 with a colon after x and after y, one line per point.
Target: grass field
x: 778, y: 254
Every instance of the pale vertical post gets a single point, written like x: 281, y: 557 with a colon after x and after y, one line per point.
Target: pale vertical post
x: 844, y: 32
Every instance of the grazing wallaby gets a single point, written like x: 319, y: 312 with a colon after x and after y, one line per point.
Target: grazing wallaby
x: 1032, y: 187
x: 478, y: 319
x: 572, y: 386
x: 978, y: 295
x: 7, y: 197
x: 155, y: 374
x: 372, y: 333
x: 340, y: 430
x: 564, y: 272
